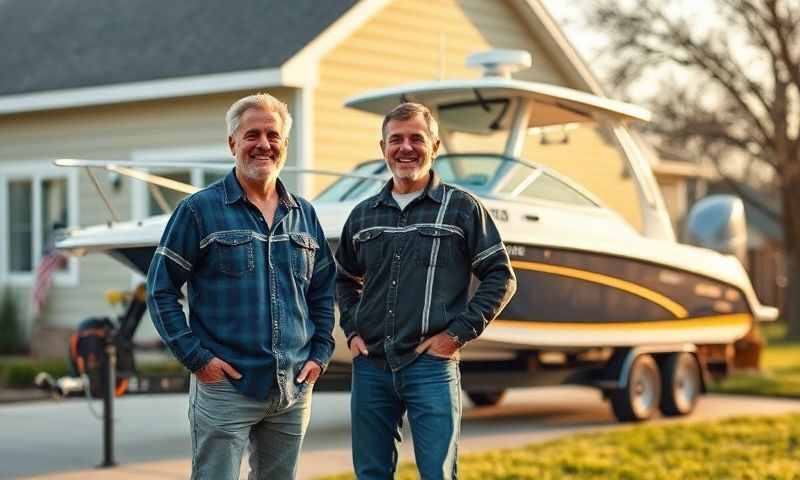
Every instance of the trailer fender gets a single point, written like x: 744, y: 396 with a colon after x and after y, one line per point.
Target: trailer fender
x: 619, y: 366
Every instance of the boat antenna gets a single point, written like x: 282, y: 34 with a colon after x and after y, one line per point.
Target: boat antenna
x: 499, y: 62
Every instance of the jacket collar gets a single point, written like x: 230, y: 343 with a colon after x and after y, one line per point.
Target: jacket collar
x: 434, y: 189
x: 232, y: 191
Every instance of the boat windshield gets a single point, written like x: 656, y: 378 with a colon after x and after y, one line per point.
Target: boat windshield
x: 355, y: 188
x: 478, y: 173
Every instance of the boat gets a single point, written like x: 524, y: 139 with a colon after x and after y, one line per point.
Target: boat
x: 637, y: 314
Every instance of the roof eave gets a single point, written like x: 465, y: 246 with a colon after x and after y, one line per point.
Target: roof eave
x: 152, y: 90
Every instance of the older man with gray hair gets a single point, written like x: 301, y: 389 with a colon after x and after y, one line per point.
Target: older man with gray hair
x: 260, y: 279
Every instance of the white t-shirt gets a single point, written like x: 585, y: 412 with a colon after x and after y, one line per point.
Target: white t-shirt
x: 403, y: 199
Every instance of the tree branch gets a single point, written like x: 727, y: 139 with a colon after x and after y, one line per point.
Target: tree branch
x: 756, y: 202
x: 780, y: 27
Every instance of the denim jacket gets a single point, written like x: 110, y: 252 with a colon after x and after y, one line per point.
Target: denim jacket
x: 259, y: 298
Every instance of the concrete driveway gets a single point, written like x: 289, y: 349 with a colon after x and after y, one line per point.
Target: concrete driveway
x: 61, y: 440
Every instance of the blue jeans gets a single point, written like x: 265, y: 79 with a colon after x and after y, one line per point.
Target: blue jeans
x: 429, y: 389
x: 222, y: 422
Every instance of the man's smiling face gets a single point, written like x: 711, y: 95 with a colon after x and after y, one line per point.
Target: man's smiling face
x: 258, y: 145
x: 408, y: 149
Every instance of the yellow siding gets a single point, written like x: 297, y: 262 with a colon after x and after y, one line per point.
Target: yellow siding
x: 403, y: 43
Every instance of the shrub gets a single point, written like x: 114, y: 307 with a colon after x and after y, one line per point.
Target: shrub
x: 11, y: 337
x: 19, y: 372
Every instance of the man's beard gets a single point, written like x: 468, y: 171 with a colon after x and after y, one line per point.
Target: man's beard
x: 414, y: 174
x: 258, y: 174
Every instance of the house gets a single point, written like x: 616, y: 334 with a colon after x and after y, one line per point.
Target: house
x: 145, y: 80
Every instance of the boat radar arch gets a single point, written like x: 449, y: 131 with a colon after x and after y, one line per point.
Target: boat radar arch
x: 496, y: 103
x: 500, y: 63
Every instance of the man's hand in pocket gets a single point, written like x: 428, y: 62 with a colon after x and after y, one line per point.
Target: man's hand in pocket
x: 215, y: 370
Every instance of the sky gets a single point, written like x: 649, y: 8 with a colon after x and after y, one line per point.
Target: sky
x: 569, y: 15
x: 589, y: 43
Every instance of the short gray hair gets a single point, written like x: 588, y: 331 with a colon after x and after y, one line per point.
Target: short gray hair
x: 263, y: 101
x: 409, y: 110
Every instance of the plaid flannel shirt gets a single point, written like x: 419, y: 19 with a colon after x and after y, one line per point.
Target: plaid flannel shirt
x: 261, y: 299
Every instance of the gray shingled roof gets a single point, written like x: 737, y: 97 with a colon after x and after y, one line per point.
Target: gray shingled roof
x: 56, y: 44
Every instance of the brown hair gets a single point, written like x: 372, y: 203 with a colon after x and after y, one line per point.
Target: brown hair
x: 408, y: 110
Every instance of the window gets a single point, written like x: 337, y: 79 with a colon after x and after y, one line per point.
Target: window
x: 20, y: 225
x: 163, y: 200
x: 211, y: 177
x: 54, y: 216
x: 151, y: 200
x: 37, y: 200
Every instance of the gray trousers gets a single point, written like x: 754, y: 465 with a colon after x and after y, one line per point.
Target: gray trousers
x: 223, y: 421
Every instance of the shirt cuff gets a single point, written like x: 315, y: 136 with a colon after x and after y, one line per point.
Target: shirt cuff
x: 197, y: 359
x: 322, y: 365
x: 462, y: 332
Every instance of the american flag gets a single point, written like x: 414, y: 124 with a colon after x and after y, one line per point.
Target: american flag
x: 49, y: 264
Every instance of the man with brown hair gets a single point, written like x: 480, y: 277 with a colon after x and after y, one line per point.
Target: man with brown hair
x: 405, y: 261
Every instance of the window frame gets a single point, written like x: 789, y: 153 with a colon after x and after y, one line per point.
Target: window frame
x: 208, y: 153
x: 37, y: 171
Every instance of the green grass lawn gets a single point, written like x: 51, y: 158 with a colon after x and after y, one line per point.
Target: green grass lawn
x: 780, y: 375
x: 738, y: 448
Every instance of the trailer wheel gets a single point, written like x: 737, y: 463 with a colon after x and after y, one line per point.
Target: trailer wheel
x: 486, y: 399
x: 681, y: 384
x: 640, y: 397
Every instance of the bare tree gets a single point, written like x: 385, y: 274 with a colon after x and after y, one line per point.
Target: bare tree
x: 723, y: 78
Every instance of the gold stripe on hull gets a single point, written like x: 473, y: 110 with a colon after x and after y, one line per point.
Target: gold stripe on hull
x: 737, y: 319
x: 665, y: 302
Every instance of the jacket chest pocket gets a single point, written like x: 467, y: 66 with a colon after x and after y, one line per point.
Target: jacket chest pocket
x: 233, y: 253
x: 370, y: 247
x: 435, y: 246
x: 303, y: 252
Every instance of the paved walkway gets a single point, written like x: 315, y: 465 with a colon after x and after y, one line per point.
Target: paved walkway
x: 527, y: 416
x: 13, y: 395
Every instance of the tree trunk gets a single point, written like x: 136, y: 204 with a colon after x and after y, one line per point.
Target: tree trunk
x: 792, y: 304
x: 791, y: 225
